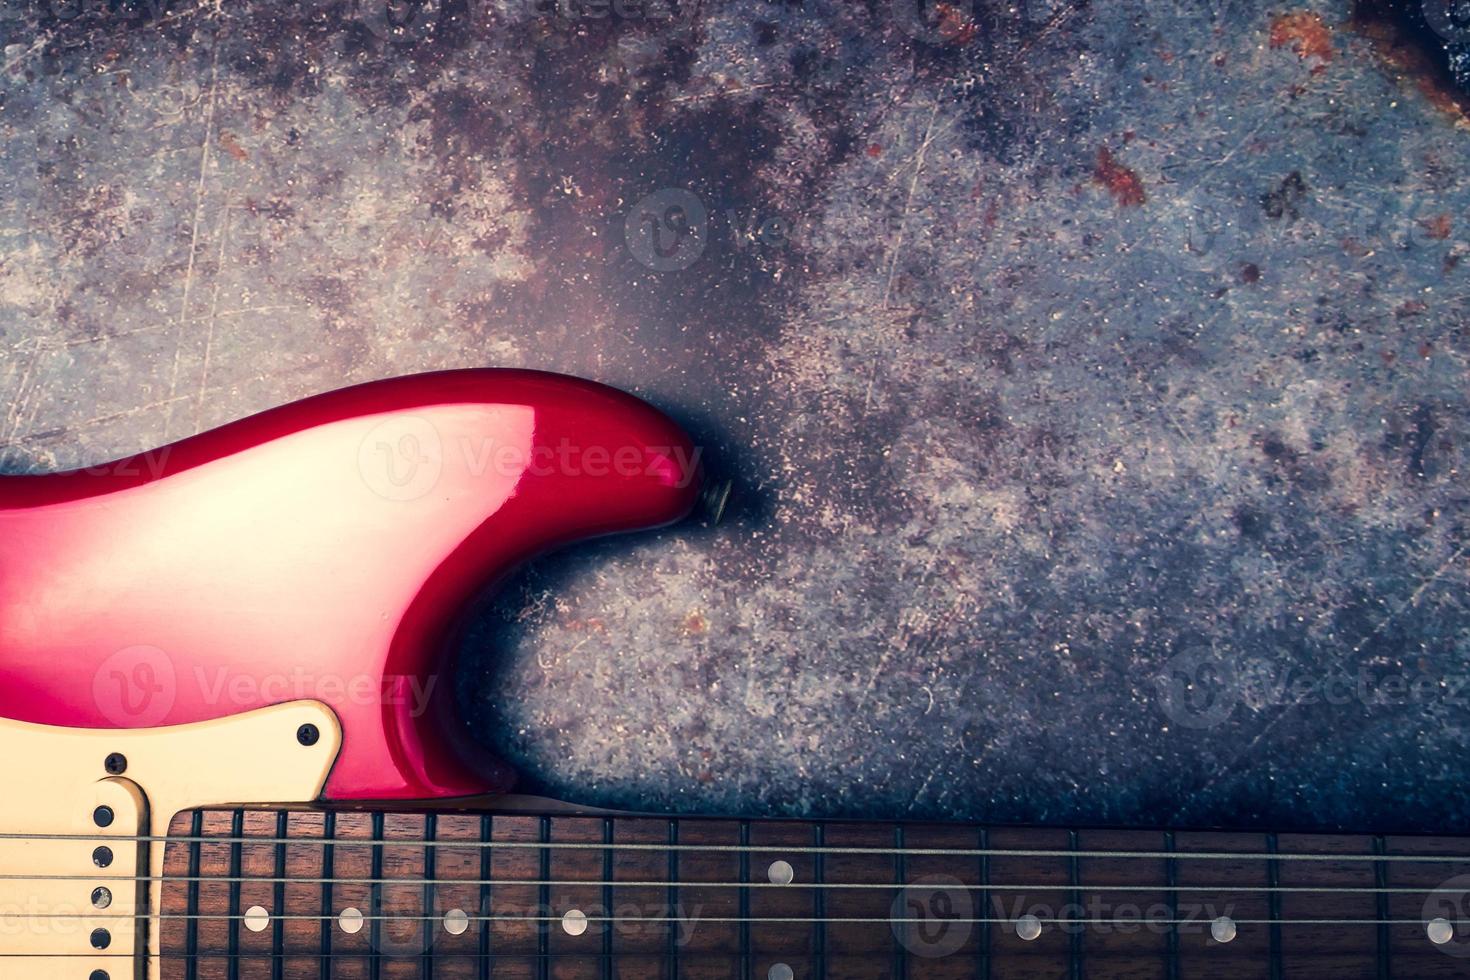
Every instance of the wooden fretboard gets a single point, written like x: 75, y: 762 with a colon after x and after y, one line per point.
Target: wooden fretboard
x: 450, y: 896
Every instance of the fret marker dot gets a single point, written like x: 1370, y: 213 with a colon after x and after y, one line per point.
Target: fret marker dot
x: 781, y: 873
x: 780, y: 972
x: 574, y: 922
x: 1440, y: 931
x: 456, y: 922
x: 1222, y: 930
x: 350, y: 921
x: 257, y: 918
x: 1028, y: 927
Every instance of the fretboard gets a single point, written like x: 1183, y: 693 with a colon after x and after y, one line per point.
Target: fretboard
x: 450, y: 896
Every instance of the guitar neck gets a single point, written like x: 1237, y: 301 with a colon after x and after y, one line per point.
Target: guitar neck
x: 352, y: 894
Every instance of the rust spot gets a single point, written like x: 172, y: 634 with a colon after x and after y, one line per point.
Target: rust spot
x: 1250, y: 272
x: 1304, y: 32
x: 955, y: 26
x: 232, y: 146
x: 1438, y: 227
x: 1119, y: 180
x: 593, y: 625
x: 874, y: 150
x: 695, y: 624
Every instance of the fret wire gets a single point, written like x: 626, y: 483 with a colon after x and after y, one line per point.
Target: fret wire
x: 985, y: 900
x: 375, y: 929
x: 544, y: 894
x: 1171, y: 875
x: 543, y: 932
x: 329, y: 831
x: 237, y: 828
x: 1074, y: 875
x: 671, y: 896
x: 607, y: 895
x: 431, y: 830
x: 745, y: 900
x: 1273, y: 906
x: 487, y: 834
x: 727, y: 848
x: 1380, y: 878
x: 191, y: 935
x: 900, y: 877
x: 278, y: 890
x: 819, y: 904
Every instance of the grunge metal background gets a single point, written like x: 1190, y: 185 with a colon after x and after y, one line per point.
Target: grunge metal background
x: 1093, y: 377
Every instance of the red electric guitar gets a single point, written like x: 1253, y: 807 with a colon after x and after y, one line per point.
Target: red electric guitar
x: 226, y: 753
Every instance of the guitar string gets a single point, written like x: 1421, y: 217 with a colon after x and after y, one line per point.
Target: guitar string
x: 690, y: 956
x: 828, y: 885
x: 731, y: 920
x: 774, y: 849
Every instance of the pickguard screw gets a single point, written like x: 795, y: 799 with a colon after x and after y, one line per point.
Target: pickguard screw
x: 308, y: 734
x: 102, y: 816
x: 116, y: 764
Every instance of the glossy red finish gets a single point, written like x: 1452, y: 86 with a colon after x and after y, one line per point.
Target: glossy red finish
x: 323, y: 549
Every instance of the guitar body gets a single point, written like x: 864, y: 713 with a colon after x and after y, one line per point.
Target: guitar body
x: 320, y: 551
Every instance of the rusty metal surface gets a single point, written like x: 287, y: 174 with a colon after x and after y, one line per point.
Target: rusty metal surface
x: 1093, y: 377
